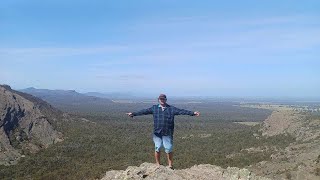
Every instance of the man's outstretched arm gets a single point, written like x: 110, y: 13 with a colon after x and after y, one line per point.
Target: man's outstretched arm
x: 141, y: 112
x: 178, y: 111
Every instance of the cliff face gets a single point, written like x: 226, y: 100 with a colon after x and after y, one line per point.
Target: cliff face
x: 24, y: 125
x: 301, y: 159
x: 203, y: 172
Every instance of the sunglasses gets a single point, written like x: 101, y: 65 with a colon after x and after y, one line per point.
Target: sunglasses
x: 162, y: 99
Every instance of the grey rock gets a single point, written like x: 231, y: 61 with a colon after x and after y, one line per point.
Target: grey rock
x: 201, y: 172
x: 24, y: 124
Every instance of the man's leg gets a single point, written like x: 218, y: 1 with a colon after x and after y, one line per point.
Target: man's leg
x: 170, y: 159
x: 157, y: 157
x: 157, y: 145
x: 168, y: 145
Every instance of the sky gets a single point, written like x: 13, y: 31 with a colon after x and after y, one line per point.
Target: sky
x: 266, y: 48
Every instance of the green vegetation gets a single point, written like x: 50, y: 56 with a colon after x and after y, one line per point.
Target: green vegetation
x: 111, y: 140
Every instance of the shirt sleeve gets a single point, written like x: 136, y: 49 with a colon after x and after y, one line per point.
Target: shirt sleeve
x: 178, y: 111
x: 143, y: 112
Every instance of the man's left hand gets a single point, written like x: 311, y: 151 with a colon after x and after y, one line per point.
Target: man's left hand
x: 196, y: 113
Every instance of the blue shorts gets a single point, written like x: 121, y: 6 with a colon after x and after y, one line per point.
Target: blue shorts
x: 165, y: 141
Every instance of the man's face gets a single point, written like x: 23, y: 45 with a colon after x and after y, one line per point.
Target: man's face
x: 162, y: 100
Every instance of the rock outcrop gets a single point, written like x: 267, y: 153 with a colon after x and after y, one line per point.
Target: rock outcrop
x: 200, y: 172
x: 301, y: 159
x: 25, y: 125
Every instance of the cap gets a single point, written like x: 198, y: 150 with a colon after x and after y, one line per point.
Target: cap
x: 162, y: 96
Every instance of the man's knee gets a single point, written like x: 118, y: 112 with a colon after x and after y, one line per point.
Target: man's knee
x: 168, y: 144
x: 157, y: 148
x: 168, y: 150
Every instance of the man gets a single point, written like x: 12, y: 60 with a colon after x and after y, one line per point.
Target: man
x: 163, y: 116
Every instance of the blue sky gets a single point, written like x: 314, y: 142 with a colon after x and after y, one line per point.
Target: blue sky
x: 181, y: 48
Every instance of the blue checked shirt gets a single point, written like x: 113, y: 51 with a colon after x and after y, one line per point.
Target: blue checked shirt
x: 163, y: 120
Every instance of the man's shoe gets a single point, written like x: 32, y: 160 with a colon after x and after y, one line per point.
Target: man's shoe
x: 171, y: 167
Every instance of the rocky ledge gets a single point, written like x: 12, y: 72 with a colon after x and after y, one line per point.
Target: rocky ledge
x: 200, y: 172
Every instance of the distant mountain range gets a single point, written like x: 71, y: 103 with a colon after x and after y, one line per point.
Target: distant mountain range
x: 48, y: 93
x: 114, y: 95
x: 62, y: 98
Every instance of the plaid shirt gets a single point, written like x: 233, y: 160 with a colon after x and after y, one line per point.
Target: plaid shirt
x: 163, y: 120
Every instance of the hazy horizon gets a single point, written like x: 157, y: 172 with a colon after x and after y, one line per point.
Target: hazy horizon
x: 129, y: 94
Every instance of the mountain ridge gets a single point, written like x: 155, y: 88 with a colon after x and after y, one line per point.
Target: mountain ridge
x: 26, y: 125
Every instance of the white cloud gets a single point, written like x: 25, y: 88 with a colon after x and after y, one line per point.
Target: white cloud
x: 218, y: 32
x: 59, y: 51
x: 269, y: 43
x: 233, y: 40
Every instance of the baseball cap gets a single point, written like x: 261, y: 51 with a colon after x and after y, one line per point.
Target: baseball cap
x: 162, y: 96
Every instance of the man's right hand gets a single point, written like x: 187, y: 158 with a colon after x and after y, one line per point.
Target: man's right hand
x: 130, y: 114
